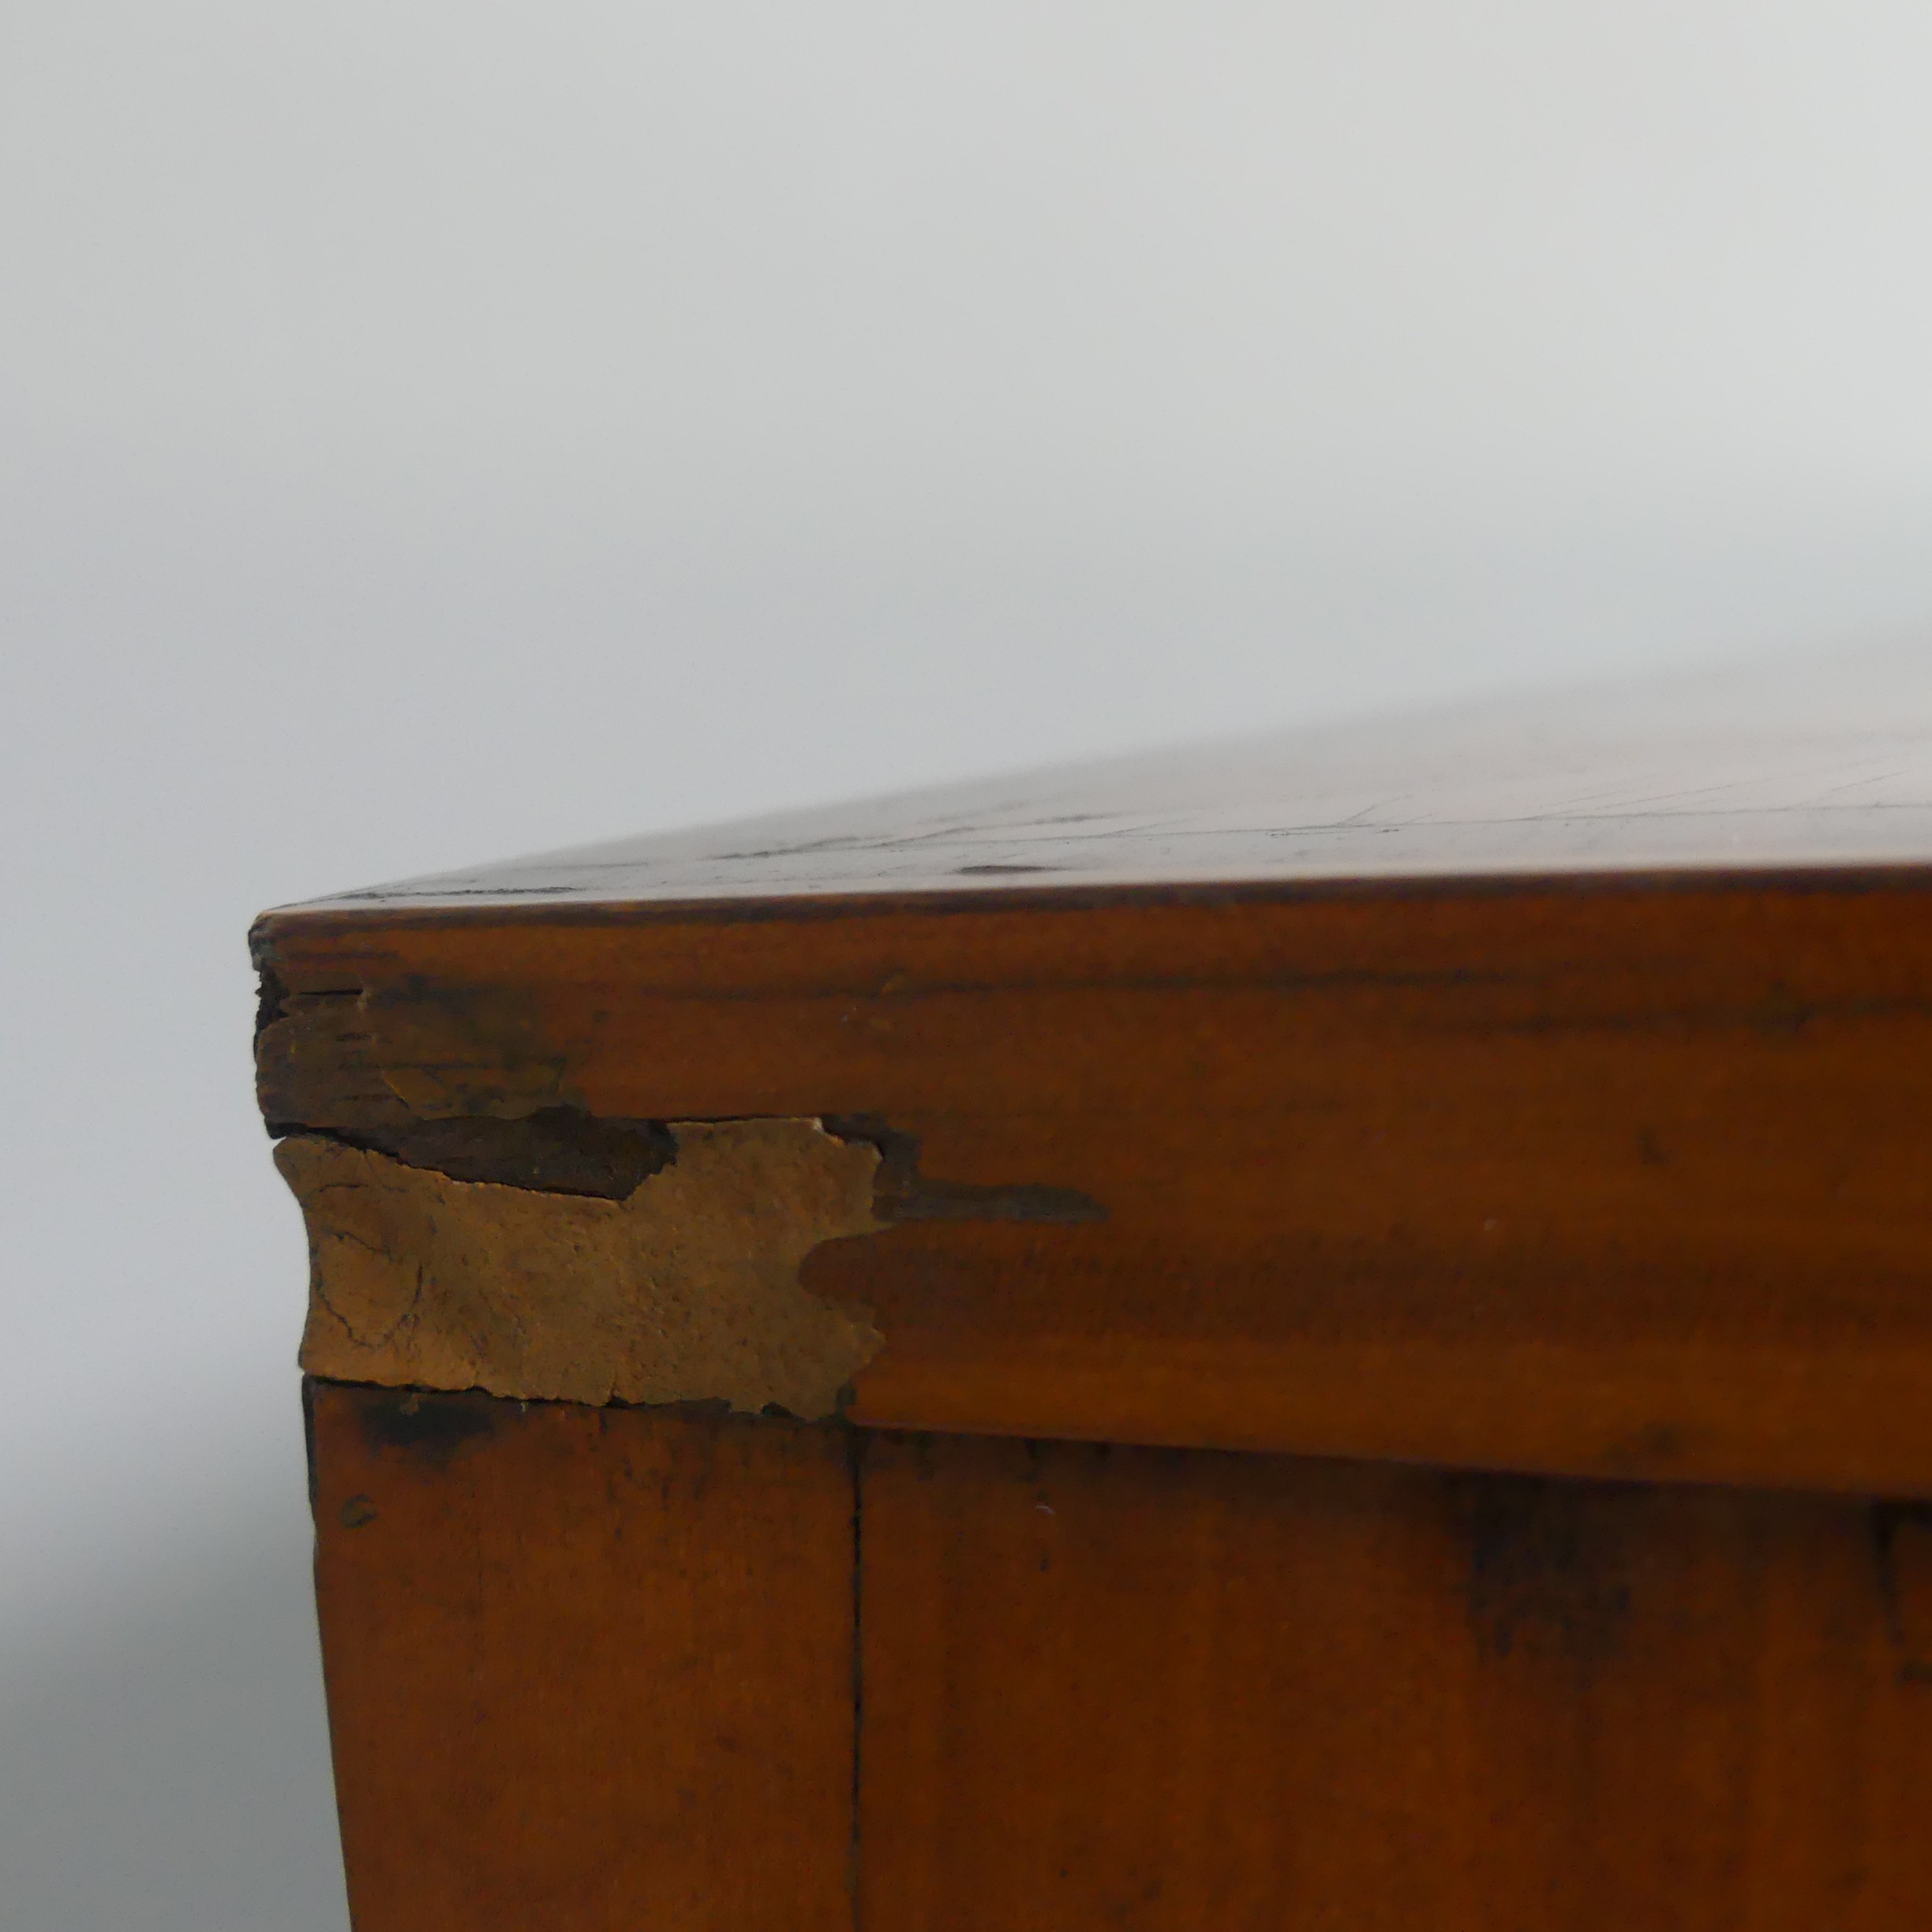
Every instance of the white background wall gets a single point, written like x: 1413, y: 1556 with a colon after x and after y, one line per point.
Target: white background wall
x: 433, y: 431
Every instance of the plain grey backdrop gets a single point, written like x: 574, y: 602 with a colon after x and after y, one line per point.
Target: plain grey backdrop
x: 430, y: 431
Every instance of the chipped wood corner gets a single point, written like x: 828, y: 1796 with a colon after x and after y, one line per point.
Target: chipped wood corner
x: 685, y: 1289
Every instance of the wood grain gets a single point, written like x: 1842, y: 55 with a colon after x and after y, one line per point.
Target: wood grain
x: 1819, y: 765
x: 1188, y: 1692
x: 1546, y: 1094
x: 1629, y: 1177
x: 589, y: 1670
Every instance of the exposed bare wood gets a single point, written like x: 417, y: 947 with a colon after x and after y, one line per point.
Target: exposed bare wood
x: 687, y: 1290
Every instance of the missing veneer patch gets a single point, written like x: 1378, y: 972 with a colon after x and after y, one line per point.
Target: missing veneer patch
x: 686, y: 1289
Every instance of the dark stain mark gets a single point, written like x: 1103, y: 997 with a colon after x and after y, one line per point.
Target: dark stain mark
x: 902, y: 1193
x: 1644, y: 1451
x: 358, y: 1511
x: 1901, y: 1541
x: 309, y: 1440
x: 477, y: 1043
x: 923, y: 1447
x: 1650, y: 1150
x: 558, y: 1150
x: 562, y: 1150
x: 1546, y: 1568
x: 429, y: 1428
x: 990, y: 870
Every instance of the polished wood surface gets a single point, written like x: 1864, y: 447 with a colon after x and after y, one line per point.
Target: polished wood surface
x: 1602, y: 1177
x: 589, y: 1670
x: 1185, y: 1692
x: 1159, y: 1691
x: 1827, y: 764
x: 593, y: 1669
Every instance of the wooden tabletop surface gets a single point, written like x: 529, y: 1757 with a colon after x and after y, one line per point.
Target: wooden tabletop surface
x: 1821, y: 765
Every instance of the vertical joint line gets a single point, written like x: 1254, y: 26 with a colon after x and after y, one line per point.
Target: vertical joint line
x: 855, y: 1874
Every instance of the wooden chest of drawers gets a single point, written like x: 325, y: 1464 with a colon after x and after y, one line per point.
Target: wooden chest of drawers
x: 1337, y: 1334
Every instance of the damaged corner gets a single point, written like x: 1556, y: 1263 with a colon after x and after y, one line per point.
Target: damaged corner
x: 685, y: 1289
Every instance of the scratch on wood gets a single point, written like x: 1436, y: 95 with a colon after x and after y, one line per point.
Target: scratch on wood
x: 686, y: 1289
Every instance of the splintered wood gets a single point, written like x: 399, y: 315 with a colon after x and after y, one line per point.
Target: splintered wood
x: 688, y: 1290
